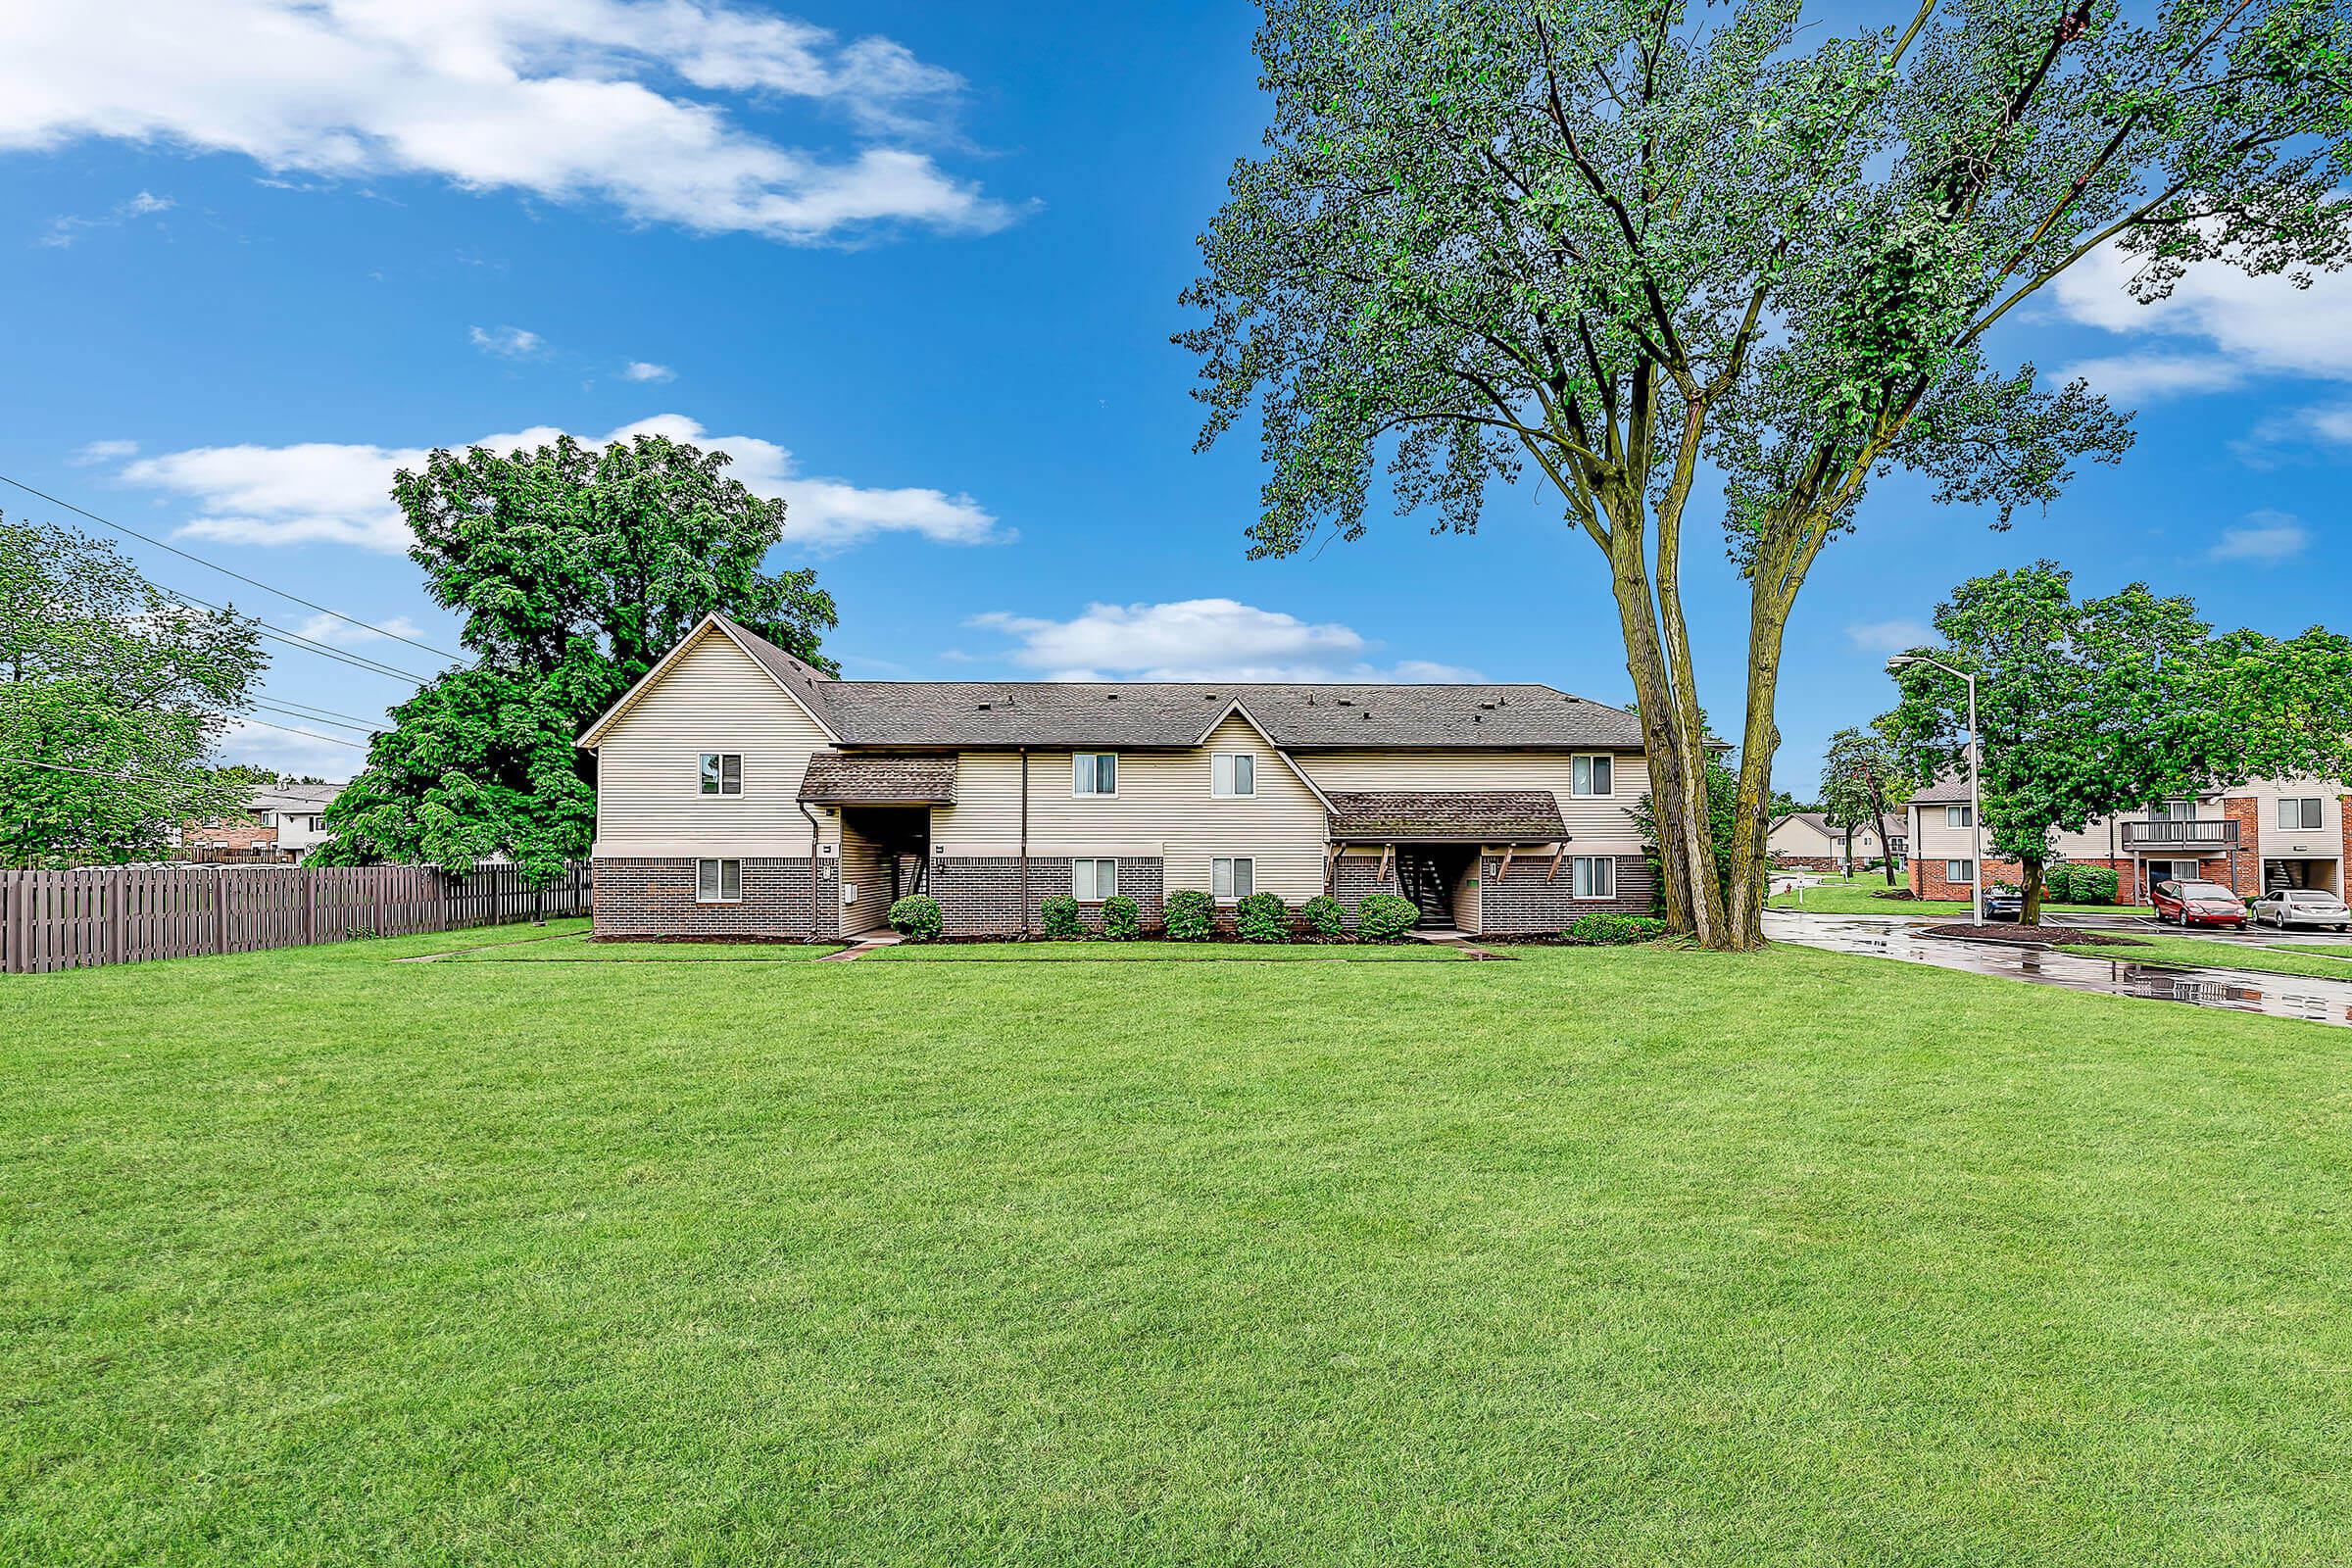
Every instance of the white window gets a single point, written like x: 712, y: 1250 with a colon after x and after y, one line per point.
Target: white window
x: 1093, y: 881
x: 1233, y: 773
x: 1232, y: 880
x: 2299, y: 813
x: 1593, y: 775
x: 723, y: 772
x: 1958, y: 816
x: 1596, y: 877
x: 268, y: 818
x: 1094, y: 774
x: 1959, y: 870
x: 719, y: 881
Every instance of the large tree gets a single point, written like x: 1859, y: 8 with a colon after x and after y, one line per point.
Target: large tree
x: 113, y: 695
x: 573, y: 570
x: 2095, y: 706
x: 1862, y: 780
x: 1620, y: 241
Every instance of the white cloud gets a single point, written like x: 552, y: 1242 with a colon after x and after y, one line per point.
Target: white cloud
x: 259, y: 745
x: 324, y: 629
x: 2263, y: 323
x: 507, y: 342
x: 1889, y: 636
x: 2265, y: 538
x: 102, y: 452
x: 65, y: 231
x: 1199, y: 639
x: 576, y: 101
x: 342, y: 493
x: 646, y: 371
x: 2145, y: 377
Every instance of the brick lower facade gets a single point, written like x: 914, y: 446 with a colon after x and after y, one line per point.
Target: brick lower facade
x: 652, y: 897
x: 1530, y: 901
x: 2132, y: 884
x: 981, y: 895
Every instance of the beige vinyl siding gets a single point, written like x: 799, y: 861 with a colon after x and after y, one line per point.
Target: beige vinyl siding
x: 1596, y: 825
x: 715, y: 698
x: 1164, y: 808
x: 1795, y: 836
x: 865, y: 868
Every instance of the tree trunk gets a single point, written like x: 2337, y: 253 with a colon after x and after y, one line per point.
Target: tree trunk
x: 1886, y: 844
x: 1678, y: 781
x: 2029, y: 869
x: 1760, y: 738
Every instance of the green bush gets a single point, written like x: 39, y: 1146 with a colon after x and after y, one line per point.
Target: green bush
x: 2093, y: 884
x: 1263, y: 918
x: 1121, y: 918
x: 915, y: 917
x: 1192, y: 915
x: 1384, y: 917
x: 1325, y: 915
x: 1060, y: 919
x: 2058, y: 884
x: 1604, y: 928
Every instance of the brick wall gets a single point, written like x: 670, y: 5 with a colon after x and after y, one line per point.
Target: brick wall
x: 1524, y: 903
x: 1807, y: 862
x: 981, y: 895
x: 239, y: 835
x: 2246, y: 811
x: 649, y: 897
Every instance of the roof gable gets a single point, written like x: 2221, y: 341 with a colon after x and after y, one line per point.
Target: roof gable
x: 798, y: 681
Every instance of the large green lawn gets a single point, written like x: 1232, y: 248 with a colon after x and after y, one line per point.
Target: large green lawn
x: 1600, y: 1256
x: 2197, y: 953
x: 1860, y: 895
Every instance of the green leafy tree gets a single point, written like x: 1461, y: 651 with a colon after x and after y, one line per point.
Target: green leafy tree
x: 1615, y: 241
x: 2090, y: 708
x: 572, y: 569
x: 113, y: 696
x: 1862, y: 781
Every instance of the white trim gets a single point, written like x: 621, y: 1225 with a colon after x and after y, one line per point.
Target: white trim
x: 719, y: 875
x: 1110, y: 794
x: 1232, y: 762
x: 628, y: 699
x: 1575, y: 758
x: 722, y: 793
x: 1097, y: 861
x: 1574, y: 897
x: 1232, y: 876
x: 1288, y: 761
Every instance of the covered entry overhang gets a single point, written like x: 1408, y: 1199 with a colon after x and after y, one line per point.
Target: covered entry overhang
x: 879, y: 778
x: 1430, y: 840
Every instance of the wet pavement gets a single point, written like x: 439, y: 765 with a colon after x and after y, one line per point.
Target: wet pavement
x: 2279, y: 995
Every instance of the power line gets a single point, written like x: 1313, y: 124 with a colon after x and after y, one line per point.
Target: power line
x: 93, y: 772
x: 314, y: 718
x: 308, y: 645
x: 308, y: 604
x: 331, y: 739
x: 314, y: 710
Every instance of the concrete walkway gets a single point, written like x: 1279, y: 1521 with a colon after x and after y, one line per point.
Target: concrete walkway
x: 2279, y: 995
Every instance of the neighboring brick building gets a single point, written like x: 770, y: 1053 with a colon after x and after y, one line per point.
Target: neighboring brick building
x: 733, y: 769
x: 2272, y: 833
x: 280, y: 823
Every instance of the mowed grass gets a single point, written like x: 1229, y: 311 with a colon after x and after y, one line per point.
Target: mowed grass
x: 1161, y: 953
x: 1601, y: 1256
x: 1860, y: 896
x: 2192, y: 952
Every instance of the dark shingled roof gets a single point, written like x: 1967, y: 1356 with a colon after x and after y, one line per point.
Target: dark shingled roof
x: 880, y: 778
x: 1490, y: 817
x: 977, y: 713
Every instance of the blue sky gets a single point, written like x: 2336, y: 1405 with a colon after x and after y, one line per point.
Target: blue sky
x: 917, y: 265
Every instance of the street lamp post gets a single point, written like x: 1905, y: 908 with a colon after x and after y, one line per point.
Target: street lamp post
x: 1976, y: 804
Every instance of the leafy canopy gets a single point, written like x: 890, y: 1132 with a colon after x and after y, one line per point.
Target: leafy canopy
x: 105, y: 675
x: 573, y: 570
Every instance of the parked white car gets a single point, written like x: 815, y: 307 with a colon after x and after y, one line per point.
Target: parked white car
x: 2301, y: 907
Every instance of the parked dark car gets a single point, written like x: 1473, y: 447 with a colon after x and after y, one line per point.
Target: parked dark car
x: 2187, y: 904
x: 2004, y: 904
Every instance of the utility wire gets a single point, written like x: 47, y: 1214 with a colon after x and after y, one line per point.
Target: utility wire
x: 312, y: 718
x: 308, y: 604
x: 331, y: 739
x: 322, y: 714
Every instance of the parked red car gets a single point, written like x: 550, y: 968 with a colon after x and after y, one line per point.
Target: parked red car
x: 2189, y: 904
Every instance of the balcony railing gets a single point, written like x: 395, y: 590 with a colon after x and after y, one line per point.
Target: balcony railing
x: 2181, y: 833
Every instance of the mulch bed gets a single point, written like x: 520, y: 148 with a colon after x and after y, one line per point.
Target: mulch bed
x: 2032, y: 936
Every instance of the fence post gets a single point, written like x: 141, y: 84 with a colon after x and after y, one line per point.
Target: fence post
x: 219, y: 908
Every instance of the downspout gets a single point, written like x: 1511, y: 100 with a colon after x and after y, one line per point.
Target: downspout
x: 812, y: 879
x: 1024, y: 841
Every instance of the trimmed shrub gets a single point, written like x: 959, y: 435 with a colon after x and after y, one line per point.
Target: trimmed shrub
x: 916, y: 918
x: 1604, y: 928
x: 1263, y: 918
x: 1325, y: 915
x: 2058, y: 884
x: 1384, y: 917
x: 1121, y: 919
x: 2093, y: 884
x: 1190, y: 915
x: 1058, y: 917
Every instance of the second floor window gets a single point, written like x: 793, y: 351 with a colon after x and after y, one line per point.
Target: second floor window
x: 1592, y: 775
x: 2299, y: 813
x: 1094, y: 774
x: 1233, y: 773
x: 723, y: 772
x: 1958, y: 816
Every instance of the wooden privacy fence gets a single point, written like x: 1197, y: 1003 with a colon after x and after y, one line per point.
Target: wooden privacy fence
x: 126, y: 914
